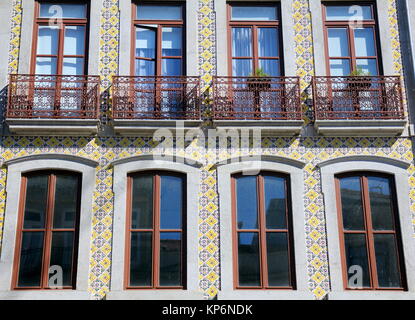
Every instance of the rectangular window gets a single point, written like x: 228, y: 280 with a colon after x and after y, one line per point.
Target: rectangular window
x: 351, y: 39
x: 263, y: 247
x: 155, y: 229
x: 60, y: 43
x: 159, y: 38
x: 255, y: 39
x: 47, y: 232
x: 369, y: 225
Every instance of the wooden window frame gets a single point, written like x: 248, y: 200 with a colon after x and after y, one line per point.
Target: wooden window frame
x: 254, y: 25
x: 155, y: 232
x: 160, y: 24
x: 342, y: 24
x: 38, y: 21
x: 48, y: 230
x: 262, y: 232
x: 369, y: 232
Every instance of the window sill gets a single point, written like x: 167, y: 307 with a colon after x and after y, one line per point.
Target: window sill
x: 44, y: 295
x: 271, y: 294
x: 371, y: 295
x: 126, y: 127
x: 136, y: 294
x: 386, y: 128
x: 267, y: 127
x: 53, y: 126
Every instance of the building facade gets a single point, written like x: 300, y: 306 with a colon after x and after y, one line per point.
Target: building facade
x: 206, y: 149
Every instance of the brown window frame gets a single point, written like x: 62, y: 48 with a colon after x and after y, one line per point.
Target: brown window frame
x: 155, y: 232
x: 48, y: 230
x: 38, y: 21
x: 262, y: 232
x: 373, y: 23
x: 254, y: 25
x: 369, y: 232
x: 160, y: 25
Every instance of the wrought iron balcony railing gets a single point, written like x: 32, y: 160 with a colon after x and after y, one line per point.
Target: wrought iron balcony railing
x: 250, y: 98
x: 53, y: 97
x: 358, y: 98
x: 156, y: 98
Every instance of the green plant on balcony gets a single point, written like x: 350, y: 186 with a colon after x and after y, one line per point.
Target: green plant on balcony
x: 259, y: 80
x: 359, y: 79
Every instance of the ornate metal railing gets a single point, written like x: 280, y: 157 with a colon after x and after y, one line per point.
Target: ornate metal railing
x: 362, y: 97
x: 156, y: 97
x: 250, y: 98
x: 53, y: 97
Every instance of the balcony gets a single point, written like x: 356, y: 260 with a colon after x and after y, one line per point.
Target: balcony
x: 143, y: 104
x: 271, y: 104
x: 53, y: 104
x: 360, y: 106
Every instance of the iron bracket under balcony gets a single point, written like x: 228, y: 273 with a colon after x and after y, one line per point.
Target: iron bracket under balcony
x: 269, y: 104
x: 142, y: 105
x: 359, y: 106
x: 53, y: 105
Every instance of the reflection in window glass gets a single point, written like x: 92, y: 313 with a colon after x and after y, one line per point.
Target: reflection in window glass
x: 338, y: 42
x: 257, y: 13
x: 346, y: 13
x: 159, y: 12
x: 63, y: 10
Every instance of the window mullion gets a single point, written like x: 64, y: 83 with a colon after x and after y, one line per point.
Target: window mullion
x: 255, y: 48
x: 48, y: 231
x: 352, y: 49
x: 369, y: 228
x: 262, y: 233
x: 156, y: 232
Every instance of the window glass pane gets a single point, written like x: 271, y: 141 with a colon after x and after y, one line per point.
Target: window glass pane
x: 159, y: 12
x: 364, y: 42
x: 338, y: 42
x: 172, y: 42
x: 73, y: 66
x: 74, y: 40
x: 268, y: 42
x: 62, y: 254
x: 241, y: 67
x: 257, y: 13
x: 246, y: 202
x: 387, y: 261
x: 170, y: 259
x: 35, y: 205
x: 142, y: 202
x: 47, y: 41
x: 31, y: 259
x: 346, y: 13
x: 171, y: 202
x: 275, y: 202
x: 145, y: 43
x: 352, y: 205
x: 368, y: 65
x: 66, y: 201
x: 270, y: 67
x: 381, y: 203
x: 171, y: 67
x: 141, y: 259
x: 339, y: 67
x: 356, y: 255
x: 46, y: 66
x: 144, y: 67
x: 277, y: 258
x: 241, y: 42
x: 62, y: 10
x: 248, y: 259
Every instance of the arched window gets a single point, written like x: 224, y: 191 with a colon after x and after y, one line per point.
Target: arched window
x: 262, y: 236
x: 47, y: 231
x: 369, y: 231
x: 156, y: 237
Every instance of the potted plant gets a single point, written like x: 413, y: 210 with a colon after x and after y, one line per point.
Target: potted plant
x: 259, y: 80
x: 359, y: 79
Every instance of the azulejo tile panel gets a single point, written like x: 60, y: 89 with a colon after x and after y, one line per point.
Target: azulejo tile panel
x: 16, y: 24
